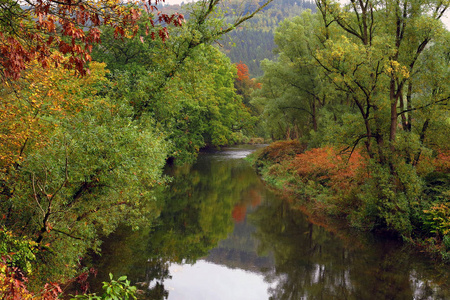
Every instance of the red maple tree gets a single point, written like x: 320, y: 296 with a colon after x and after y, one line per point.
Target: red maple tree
x: 242, y: 71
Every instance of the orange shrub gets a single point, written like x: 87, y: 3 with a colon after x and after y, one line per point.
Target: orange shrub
x: 330, y: 168
x: 281, y: 151
x: 442, y: 162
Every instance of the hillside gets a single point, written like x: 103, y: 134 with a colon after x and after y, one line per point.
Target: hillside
x: 253, y: 41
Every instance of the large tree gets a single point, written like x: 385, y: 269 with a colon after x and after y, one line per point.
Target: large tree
x: 293, y: 88
x: 378, y: 60
x: 34, y: 29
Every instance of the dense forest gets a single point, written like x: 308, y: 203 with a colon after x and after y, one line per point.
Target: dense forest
x: 98, y: 96
x: 254, y: 40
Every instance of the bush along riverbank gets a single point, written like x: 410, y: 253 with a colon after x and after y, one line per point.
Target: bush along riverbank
x: 411, y: 204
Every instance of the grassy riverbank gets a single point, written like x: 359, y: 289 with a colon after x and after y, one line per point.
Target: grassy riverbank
x: 331, y: 185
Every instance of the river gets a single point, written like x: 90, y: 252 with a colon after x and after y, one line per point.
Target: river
x: 222, y: 234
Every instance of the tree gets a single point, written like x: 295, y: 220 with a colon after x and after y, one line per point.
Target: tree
x: 188, y: 89
x: 300, y: 85
x: 36, y: 29
x: 377, y: 62
x: 80, y: 165
x: 244, y: 85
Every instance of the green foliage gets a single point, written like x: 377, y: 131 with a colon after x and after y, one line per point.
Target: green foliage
x: 18, y: 252
x: 119, y: 289
x: 437, y: 187
x: 438, y: 219
x: 96, y: 167
x: 293, y: 89
x: 187, y: 90
x: 446, y: 240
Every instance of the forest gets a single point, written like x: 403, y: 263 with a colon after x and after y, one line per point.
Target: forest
x: 97, y: 97
x: 254, y: 40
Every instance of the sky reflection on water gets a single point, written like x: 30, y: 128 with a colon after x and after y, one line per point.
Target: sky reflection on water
x: 206, y: 280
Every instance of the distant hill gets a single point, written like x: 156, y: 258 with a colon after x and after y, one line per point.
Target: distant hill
x: 253, y: 41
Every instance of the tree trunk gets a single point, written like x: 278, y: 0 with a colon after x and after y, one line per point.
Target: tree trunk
x: 393, y: 128
x: 409, y: 106
x: 314, y: 115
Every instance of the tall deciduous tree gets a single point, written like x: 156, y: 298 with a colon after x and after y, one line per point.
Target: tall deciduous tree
x: 298, y: 82
x: 376, y: 64
x: 381, y: 63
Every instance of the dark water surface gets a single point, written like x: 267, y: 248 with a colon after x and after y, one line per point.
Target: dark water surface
x: 223, y: 235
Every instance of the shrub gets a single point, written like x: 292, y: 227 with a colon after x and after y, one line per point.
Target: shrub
x: 330, y: 168
x: 438, y: 219
x: 115, y: 289
x: 281, y: 151
x: 442, y: 162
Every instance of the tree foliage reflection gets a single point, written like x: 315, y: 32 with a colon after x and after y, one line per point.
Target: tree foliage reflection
x: 196, y: 213
x: 313, y: 263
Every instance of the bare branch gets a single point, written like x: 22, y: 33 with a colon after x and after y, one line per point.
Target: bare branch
x: 35, y: 193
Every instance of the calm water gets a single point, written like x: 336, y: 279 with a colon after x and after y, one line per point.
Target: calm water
x: 222, y: 235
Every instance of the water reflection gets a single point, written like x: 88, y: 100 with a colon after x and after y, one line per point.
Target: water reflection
x: 313, y: 263
x: 205, y: 280
x: 222, y: 235
x: 197, y: 211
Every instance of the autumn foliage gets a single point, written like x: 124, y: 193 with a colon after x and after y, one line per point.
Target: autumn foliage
x: 242, y: 71
x: 31, y: 101
x: 329, y: 167
x: 289, y: 165
x: 12, y: 282
x: 442, y: 162
x: 281, y: 150
x: 244, y: 84
x: 69, y: 27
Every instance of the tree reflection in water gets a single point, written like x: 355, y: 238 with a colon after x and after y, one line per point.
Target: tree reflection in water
x: 313, y: 263
x: 196, y: 213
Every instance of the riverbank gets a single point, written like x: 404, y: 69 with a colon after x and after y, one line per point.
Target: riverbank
x: 332, y: 187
